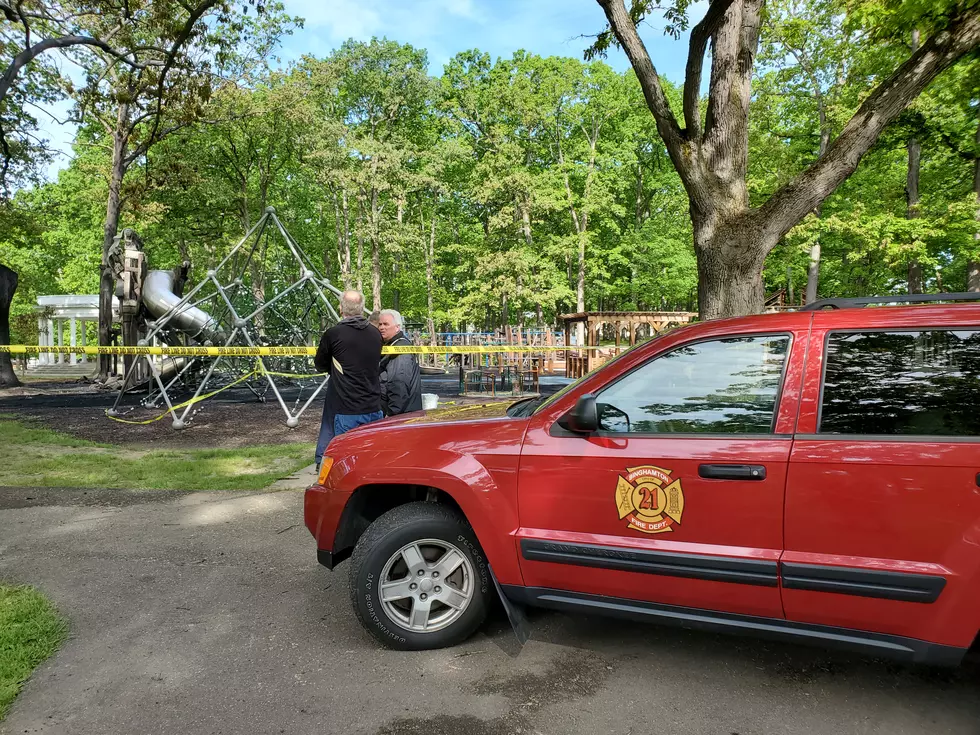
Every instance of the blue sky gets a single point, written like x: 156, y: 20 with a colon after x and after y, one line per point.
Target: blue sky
x: 446, y: 27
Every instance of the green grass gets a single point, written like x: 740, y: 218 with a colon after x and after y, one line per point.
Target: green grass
x: 39, y: 457
x: 13, y: 432
x: 30, y: 631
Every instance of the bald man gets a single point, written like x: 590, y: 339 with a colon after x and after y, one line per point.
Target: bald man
x: 350, y: 352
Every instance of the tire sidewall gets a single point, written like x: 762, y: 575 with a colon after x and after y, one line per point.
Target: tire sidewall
x: 368, y: 577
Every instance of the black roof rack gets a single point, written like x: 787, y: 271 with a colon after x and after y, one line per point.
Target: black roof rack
x: 918, y: 298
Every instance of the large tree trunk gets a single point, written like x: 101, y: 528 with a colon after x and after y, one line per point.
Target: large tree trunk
x: 973, y: 267
x: 107, y: 281
x: 8, y: 284
x: 730, y: 257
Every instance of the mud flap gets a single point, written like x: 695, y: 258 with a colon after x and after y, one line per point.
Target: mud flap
x: 515, y: 613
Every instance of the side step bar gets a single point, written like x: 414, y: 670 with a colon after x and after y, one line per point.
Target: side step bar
x: 874, y: 644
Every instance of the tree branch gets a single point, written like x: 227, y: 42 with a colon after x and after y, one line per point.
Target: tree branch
x: 145, y: 146
x: 179, y: 41
x: 23, y: 20
x: 791, y: 202
x: 29, y: 54
x: 622, y: 25
x: 733, y: 50
x: 695, y: 63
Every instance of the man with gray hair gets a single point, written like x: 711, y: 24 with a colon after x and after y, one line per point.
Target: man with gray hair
x: 401, y: 378
x: 350, y: 352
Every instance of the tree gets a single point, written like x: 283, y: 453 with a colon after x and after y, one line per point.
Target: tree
x: 525, y: 187
x: 138, y: 105
x: 912, y: 198
x: 8, y: 284
x: 384, y: 93
x: 710, y: 152
x: 32, y: 31
x: 973, y: 267
x: 813, y: 58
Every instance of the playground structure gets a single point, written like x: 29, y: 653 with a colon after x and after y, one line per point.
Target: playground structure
x: 494, y: 374
x: 616, y: 327
x: 511, y: 336
x: 265, y: 292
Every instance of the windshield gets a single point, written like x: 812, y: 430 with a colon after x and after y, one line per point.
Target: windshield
x: 542, y: 404
x: 524, y: 408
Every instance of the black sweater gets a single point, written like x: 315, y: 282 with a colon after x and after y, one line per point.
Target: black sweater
x: 350, y: 351
x: 401, y: 380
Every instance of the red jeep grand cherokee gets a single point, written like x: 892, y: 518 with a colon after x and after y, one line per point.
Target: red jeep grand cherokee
x: 809, y: 476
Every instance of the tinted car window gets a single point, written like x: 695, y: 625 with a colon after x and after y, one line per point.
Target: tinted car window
x: 916, y: 382
x: 726, y: 386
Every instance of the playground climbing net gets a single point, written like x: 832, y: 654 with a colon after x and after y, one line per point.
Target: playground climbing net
x: 265, y: 291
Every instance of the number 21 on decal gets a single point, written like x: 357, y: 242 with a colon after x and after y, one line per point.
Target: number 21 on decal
x: 649, y: 494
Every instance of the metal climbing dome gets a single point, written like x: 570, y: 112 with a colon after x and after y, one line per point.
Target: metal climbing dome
x: 265, y: 292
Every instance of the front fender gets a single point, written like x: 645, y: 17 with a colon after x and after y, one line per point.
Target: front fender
x: 484, y: 487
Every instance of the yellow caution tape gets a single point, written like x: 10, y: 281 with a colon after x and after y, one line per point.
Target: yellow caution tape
x: 185, y: 404
x: 253, y: 374
x: 170, y: 351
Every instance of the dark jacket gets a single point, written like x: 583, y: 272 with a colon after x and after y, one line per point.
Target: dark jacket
x: 350, y: 352
x: 401, y: 380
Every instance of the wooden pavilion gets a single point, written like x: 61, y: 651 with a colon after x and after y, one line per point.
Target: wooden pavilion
x: 620, y: 327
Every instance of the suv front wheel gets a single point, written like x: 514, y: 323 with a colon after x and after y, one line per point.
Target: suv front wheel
x: 418, y: 578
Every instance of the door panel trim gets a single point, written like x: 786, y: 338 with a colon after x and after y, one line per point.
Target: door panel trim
x: 877, y: 644
x: 757, y: 572
x: 892, y: 438
x: 887, y: 585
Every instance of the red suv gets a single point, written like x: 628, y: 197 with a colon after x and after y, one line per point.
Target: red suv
x: 809, y: 476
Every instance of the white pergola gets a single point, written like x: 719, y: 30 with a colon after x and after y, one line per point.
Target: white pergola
x: 66, y: 319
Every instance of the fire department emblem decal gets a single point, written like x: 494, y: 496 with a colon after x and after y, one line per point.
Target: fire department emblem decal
x: 650, y: 499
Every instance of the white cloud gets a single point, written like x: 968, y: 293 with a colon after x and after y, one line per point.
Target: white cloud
x: 462, y: 9
x: 339, y: 19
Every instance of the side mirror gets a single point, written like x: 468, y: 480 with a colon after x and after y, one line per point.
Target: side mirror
x: 584, y: 416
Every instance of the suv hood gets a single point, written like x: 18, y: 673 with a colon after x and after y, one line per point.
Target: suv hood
x: 451, y: 414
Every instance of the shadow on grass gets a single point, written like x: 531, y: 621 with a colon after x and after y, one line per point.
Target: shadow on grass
x: 39, y: 457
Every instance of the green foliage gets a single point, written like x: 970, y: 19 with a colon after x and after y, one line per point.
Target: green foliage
x: 520, y: 166
x: 825, y: 56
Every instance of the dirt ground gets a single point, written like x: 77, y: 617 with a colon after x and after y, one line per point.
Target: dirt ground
x: 207, y: 614
x: 230, y: 420
x: 217, y: 423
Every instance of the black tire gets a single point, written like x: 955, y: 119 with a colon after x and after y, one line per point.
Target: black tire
x: 381, y: 540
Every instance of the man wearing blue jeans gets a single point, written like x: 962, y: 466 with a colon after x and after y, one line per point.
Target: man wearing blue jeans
x: 350, y: 352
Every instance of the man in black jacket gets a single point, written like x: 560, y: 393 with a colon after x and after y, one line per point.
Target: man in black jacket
x: 401, y: 379
x: 349, y: 352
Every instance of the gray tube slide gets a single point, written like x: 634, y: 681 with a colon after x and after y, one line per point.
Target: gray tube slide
x: 159, y: 299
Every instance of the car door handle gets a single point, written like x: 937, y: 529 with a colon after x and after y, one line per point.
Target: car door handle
x: 748, y: 472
